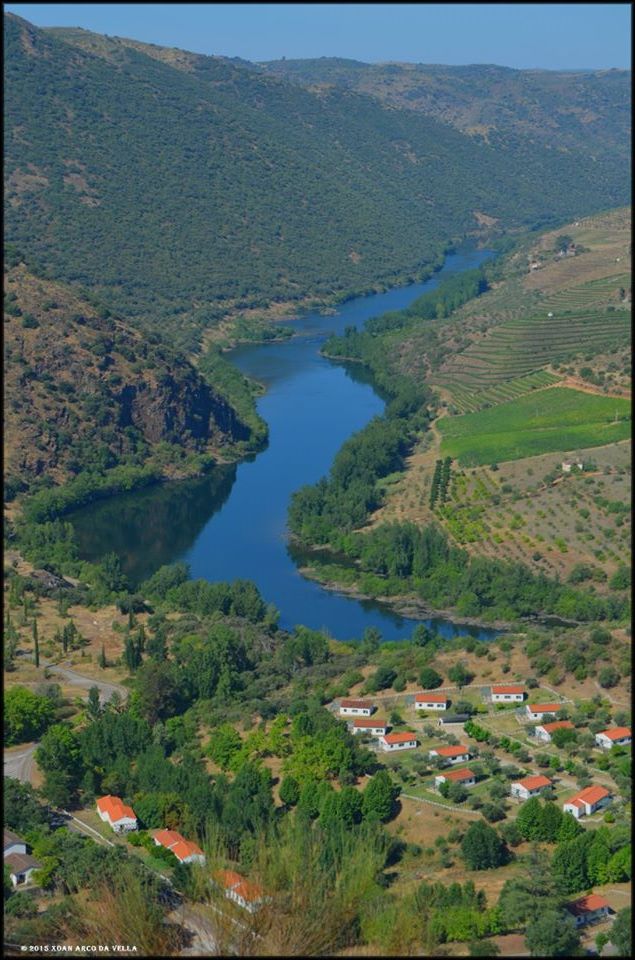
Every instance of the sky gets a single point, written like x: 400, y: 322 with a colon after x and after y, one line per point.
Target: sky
x: 552, y: 36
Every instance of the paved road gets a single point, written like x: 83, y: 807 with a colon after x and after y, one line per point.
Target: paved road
x: 20, y: 764
x: 105, y: 688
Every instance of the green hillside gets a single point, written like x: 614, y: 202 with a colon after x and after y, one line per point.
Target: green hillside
x: 180, y: 186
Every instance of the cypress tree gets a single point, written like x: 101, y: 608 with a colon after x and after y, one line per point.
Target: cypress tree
x: 36, y: 642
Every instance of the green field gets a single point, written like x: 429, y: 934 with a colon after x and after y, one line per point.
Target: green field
x: 546, y: 421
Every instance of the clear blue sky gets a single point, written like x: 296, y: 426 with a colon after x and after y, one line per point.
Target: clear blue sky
x: 547, y: 35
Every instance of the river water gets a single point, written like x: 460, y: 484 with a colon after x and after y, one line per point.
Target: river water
x: 232, y: 523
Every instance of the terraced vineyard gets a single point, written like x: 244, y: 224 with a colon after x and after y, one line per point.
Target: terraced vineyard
x: 467, y: 401
x: 520, y: 347
x: 595, y: 293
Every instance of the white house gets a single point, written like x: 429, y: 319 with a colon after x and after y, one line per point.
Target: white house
x: 589, y: 909
x: 356, y: 708
x: 247, y: 895
x: 530, y: 787
x: 465, y: 777
x: 587, y: 802
x: 114, y: 812
x: 398, y: 741
x: 614, y: 737
x: 545, y: 730
x: 183, y: 850
x: 567, y: 465
x: 12, y: 843
x: 536, y: 711
x: 21, y: 867
x: 451, y: 755
x: 363, y: 725
x: 508, y: 693
x: 431, y: 701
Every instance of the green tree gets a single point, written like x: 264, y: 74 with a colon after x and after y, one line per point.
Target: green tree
x: 529, y: 819
x: 621, y: 932
x: 59, y: 757
x: 224, y: 744
x: 552, y: 935
x: 26, y: 715
x: 289, y: 791
x: 482, y: 847
x: 102, y: 658
x: 93, y: 706
x: 460, y: 675
x: 36, y: 644
x: 430, y: 679
x: 378, y: 798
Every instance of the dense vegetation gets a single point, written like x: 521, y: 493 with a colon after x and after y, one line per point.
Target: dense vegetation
x: 300, y: 180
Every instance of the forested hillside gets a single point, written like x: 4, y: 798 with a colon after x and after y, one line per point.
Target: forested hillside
x: 180, y: 186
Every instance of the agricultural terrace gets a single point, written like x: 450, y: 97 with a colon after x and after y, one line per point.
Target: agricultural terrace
x: 556, y: 419
x: 571, y: 525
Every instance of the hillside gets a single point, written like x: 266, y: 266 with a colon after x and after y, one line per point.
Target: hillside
x: 584, y: 112
x: 262, y: 191
x: 85, y: 392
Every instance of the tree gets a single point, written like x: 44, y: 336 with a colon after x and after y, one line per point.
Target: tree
x: 102, y: 658
x: 608, y: 677
x: 482, y: 847
x: 569, y: 828
x: 430, y: 679
x: 36, y: 644
x: 569, y: 864
x: 550, y: 822
x: 379, y: 797
x: 552, y: 934
x: 59, y: 757
x: 224, y: 744
x: 529, y: 819
x: 26, y: 715
x: 562, y: 736
x: 93, y: 707
x: 289, y: 791
x: 621, y: 932
x: 459, y: 675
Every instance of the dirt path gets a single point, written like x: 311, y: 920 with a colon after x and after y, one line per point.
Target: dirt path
x: 20, y: 765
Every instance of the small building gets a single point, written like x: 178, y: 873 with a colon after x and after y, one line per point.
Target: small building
x: 453, y: 718
x: 375, y: 728
x: 530, y: 787
x: 21, y: 867
x: 536, y: 711
x: 545, y: 730
x: 247, y: 895
x: 431, y: 701
x: 465, y: 777
x: 568, y: 465
x: 356, y: 708
x: 614, y: 737
x: 117, y: 814
x: 587, y: 802
x: 508, y: 693
x: 183, y: 850
x: 590, y: 909
x: 12, y: 843
x: 452, y: 755
x: 398, y: 741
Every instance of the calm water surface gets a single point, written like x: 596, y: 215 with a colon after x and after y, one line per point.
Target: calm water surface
x: 232, y: 523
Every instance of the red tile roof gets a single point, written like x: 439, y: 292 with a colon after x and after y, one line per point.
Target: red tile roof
x: 617, y: 733
x: 115, y: 809
x: 593, y: 901
x: 533, y: 783
x: 228, y: 878
x: 399, y: 737
x: 451, y: 751
x: 369, y: 722
x: 558, y: 725
x: 545, y: 707
x: 183, y: 849
x: 458, y: 775
x: 590, y: 795
x: 167, y: 838
x: 430, y: 697
x: 360, y: 704
x: 502, y: 688
x: 250, y: 892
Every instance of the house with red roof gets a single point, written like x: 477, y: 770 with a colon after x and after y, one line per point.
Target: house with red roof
x: 465, y: 777
x: 457, y: 754
x: 376, y: 728
x: 614, y: 737
x: 530, y: 787
x: 587, y: 801
x: 545, y: 730
x: 250, y: 896
x: 183, y: 850
x: 117, y: 814
x: 537, y: 711
x: 508, y: 693
x: 398, y: 741
x: 431, y: 701
x: 356, y: 708
x: 590, y: 909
